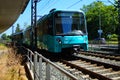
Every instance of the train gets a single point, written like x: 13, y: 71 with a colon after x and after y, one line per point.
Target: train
x: 60, y: 30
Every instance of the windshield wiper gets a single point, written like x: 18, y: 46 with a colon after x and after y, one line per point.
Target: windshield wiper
x: 72, y: 33
x: 75, y: 32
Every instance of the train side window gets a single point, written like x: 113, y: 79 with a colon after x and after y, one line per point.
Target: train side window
x: 44, y: 27
x: 50, y: 27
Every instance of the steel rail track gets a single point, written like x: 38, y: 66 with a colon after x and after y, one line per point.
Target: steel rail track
x: 78, y: 73
x: 101, y: 71
x: 106, y: 65
x: 102, y: 55
x: 95, y: 69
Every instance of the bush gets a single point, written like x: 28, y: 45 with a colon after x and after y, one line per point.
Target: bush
x: 112, y: 37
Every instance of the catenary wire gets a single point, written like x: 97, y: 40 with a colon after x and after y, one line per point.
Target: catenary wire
x: 74, y: 4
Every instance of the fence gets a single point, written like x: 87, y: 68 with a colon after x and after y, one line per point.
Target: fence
x: 44, y: 69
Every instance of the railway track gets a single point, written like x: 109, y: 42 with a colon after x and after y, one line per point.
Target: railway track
x: 111, y: 59
x: 92, y: 70
x: 78, y: 73
x: 85, y: 68
x: 106, y: 55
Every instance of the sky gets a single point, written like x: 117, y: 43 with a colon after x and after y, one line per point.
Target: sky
x: 44, y: 6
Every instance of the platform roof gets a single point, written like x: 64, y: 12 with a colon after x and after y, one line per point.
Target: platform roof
x: 10, y: 10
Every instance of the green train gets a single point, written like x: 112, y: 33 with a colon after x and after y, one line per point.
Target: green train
x: 58, y: 31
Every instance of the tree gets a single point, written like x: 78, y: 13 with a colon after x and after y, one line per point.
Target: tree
x: 108, y: 16
x: 28, y: 27
x: 4, y: 36
x: 17, y: 28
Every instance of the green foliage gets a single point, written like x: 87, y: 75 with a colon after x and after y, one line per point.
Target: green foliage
x: 112, y: 37
x: 2, y: 44
x: 108, y: 15
x: 27, y: 27
x: 18, y: 28
x: 4, y: 36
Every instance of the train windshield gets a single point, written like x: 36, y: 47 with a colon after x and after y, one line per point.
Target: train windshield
x: 70, y: 23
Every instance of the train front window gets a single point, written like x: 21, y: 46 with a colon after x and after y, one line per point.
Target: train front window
x: 69, y: 22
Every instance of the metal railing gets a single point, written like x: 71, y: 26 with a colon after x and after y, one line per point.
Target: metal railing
x: 44, y: 69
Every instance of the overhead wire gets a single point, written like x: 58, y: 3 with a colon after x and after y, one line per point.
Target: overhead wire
x: 48, y: 6
x: 74, y: 4
x: 112, y: 3
x: 106, y: 1
x: 54, y: 2
x: 45, y: 5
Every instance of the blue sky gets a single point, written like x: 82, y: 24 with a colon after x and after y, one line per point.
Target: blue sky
x: 44, y: 6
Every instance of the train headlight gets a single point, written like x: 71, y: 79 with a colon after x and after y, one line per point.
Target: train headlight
x: 58, y: 40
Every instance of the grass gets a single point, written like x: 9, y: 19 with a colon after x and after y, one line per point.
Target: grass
x: 2, y: 46
x: 112, y: 42
x: 10, y: 65
x: 107, y: 42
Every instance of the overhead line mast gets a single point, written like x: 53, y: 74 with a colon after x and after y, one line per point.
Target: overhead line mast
x: 33, y: 22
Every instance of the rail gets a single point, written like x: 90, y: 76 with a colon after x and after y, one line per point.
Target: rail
x: 44, y: 69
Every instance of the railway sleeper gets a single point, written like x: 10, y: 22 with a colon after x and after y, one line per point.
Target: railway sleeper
x: 75, y: 72
x: 87, y: 77
x: 112, y: 74
x: 86, y: 71
x: 95, y: 79
x: 90, y: 66
x: 66, y: 67
x: 118, y: 57
x: 106, y: 65
x: 95, y: 68
x: 86, y: 66
x: 78, y: 72
x: 81, y: 62
x: 111, y: 57
x: 115, y: 75
x: 103, y: 71
x: 116, y: 78
x: 72, y: 70
x: 83, y: 77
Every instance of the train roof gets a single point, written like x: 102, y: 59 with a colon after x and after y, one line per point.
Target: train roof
x: 55, y: 10
x: 42, y: 18
x: 18, y: 33
x: 65, y: 10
